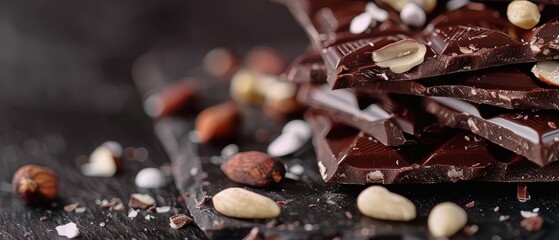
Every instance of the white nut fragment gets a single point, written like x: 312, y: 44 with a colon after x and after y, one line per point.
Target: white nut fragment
x: 294, y: 135
x: 103, y: 161
x: 241, y: 203
x: 377, y: 202
x: 360, y: 23
x: 398, y: 5
x: 150, y: 178
x: 446, y: 219
x: 400, y: 56
x: 413, y: 15
x: 377, y: 13
x: 69, y: 230
x: 523, y: 14
x: 547, y: 72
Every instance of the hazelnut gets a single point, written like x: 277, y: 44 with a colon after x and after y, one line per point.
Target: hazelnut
x: 35, y: 184
x: 218, y: 123
x: 254, y: 168
x: 523, y: 14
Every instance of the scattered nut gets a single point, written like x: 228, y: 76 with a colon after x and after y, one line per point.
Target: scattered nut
x: 179, y: 220
x: 34, y: 184
x: 377, y: 202
x: 43, y: 218
x: 398, y: 5
x: 69, y: 230
x: 244, y: 87
x: 241, y: 203
x: 547, y: 72
x: 254, y: 168
x: 413, y: 15
x: 104, y: 161
x: 532, y: 224
x: 221, y: 63
x: 71, y: 207
x: 265, y: 60
x: 360, y: 23
x: 218, y: 123
x: 150, y: 178
x: 523, y: 14
x: 294, y: 135
x: 446, y: 219
x: 171, y: 99
x: 400, y: 56
x: 119, y: 207
x: 141, y: 201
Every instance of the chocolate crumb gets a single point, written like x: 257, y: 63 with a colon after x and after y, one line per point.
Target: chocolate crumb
x: 281, y: 203
x: 179, y: 220
x: 348, y: 215
x: 471, y: 204
x: 522, y: 192
x: 71, y: 207
x: 201, y: 202
x: 43, y: 218
x: 119, y: 207
x: 470, y: 230
x: 532, y: 224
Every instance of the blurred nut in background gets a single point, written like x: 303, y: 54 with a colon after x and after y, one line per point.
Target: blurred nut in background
x: 36, y: 185
x: 245, y: 87
x: 218, y: 123
x: 265, y: 60
x: 176, y: 96
x: 104, y: 161
x: 221, y: 63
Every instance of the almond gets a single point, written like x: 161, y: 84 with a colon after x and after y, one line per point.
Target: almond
x: 377, y: 202
x: 446, y: 219
x: 241, y: 203
x: 254, y: 168
x: 218, y: 123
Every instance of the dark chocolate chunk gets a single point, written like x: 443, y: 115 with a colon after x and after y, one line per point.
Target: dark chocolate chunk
x: 307, y: 68
x: 344, y: 104
x: 512, y: 87
x: 466, y: 39
x: 533, y: 134
x: 346, y: 155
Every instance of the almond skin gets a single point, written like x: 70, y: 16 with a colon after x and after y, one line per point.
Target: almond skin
x: 218, y: 123
x: 254, y: 168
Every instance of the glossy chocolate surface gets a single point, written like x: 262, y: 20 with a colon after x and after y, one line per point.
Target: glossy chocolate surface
x: 533, y: 134
x: 346, y: 155
x: 512, y: 87
x: 470, y: 38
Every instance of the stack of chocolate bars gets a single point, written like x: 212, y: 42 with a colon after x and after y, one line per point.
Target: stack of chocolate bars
x: 432, y: 91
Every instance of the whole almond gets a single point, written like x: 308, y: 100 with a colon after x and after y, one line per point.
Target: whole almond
x: 377, y: 202
x: 241, y: 203
x: 446, y: 219
x: 254, y: 168
x: 218, y: 123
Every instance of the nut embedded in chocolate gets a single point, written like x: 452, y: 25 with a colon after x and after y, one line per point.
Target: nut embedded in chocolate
x: 218, y: 123
x: 400, y: 56
x: 254, y: 168
x: 141, y: 201
x: 179, y: 220
x: 35, y: 184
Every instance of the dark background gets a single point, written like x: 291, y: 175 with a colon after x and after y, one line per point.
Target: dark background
x: 66, y: 87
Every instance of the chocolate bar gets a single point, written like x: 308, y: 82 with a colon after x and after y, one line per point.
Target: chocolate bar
x: 392, y: 120
x: 470, y: 38
x: 533, y: 134
x: 346, y: 155
x: 512, y: 87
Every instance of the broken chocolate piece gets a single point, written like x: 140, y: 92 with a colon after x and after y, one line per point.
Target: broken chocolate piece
x: 529, y: 133
x: 346, y: 155
x: 467, y: 39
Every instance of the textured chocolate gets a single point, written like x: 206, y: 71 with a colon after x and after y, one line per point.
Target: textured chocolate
x: 349, y: 156
x: 533, y: 134
x: 392, y: 119
x: 470, y: 38
x: 512, y: 87
x: 307, y: 68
